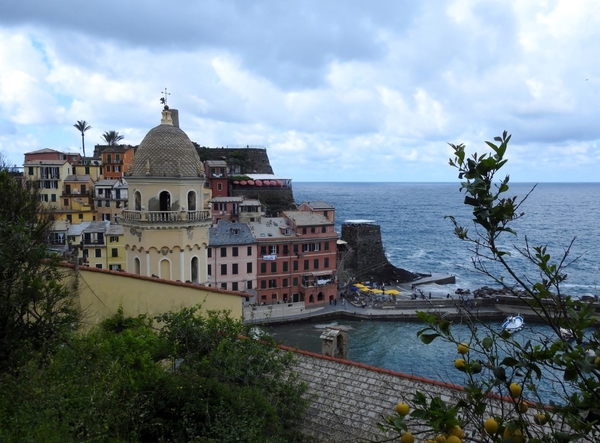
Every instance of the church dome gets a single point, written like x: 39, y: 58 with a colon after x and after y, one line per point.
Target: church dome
x: 167, y: 151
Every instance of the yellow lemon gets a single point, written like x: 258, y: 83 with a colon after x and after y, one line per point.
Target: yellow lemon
x: 523, y: 407
x: 597, y: 362
x: 460, y: 364
x: 453, y: 439
x: 407, y: 437
x: 402, y: 408
x: 515, y: 436
x: 491, y: 426
x: 540, y: 418
x: 440, y: 439
x: 515, y: 390
x: 462, y: 348
x: 456, y: 431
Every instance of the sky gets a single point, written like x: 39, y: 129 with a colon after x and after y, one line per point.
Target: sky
x: 350, y: 91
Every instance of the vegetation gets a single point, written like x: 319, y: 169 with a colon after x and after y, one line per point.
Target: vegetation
x: 197, y: 379
x: 498, y: 366
x: 82, y: 127
x: 112, y: 138
x: 36, y: 310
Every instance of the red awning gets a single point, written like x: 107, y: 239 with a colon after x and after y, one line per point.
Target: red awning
x: 251, y: 182
x: 279, y: 182
x: 236, y: 182
x: 243, y: 183
x: 258, y: 183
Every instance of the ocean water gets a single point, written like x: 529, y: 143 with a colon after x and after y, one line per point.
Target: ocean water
x: 417, y: 236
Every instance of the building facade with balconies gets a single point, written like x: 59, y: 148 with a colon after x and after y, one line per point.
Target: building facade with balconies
x: 166, y: 223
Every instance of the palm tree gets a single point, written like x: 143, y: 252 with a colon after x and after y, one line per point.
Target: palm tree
x: 112, y: 137
x: 82, y: 126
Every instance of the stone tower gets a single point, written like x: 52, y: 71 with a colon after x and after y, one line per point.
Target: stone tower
x: 166, y: 224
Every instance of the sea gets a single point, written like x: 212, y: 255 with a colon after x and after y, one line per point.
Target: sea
x: 418, y: 236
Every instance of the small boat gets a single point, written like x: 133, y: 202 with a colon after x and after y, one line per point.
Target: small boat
x: 513, y: 323
x: 566, y: 334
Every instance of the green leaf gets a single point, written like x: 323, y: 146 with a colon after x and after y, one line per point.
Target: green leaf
x: 500, y: 373
x: 428, y: 338
x: 487, y: 343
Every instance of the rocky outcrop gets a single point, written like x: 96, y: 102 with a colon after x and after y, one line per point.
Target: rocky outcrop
x: 363, y: 257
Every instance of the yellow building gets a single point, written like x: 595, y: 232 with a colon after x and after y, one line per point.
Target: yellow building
x: 76, y: 203
x: 166, y: 224
x: 49, y: 176
x: 116, y: 257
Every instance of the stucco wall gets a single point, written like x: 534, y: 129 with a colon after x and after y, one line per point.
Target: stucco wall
x: 102, y: 292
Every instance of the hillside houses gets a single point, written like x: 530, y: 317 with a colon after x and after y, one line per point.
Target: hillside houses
x: 159, y: 210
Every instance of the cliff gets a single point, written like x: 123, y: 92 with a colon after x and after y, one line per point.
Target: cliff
x: 364, y: 258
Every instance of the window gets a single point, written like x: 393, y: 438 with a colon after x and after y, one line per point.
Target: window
x: 114, y: 239
x: 98, y: 253
x: 80, y: 216
x: 69, y: 218
x: 316, y: 263
x: 44, y: 197
x: 234, y: 251
x: 83, y: 190
x: 263, y: 268
x: 108, y: 158
x: 87, y: 170
x: 286, y: 250
x: 223, y: 252
x: 263, y: 250
x: 274, y: 249
x: 304, y: 230
x: 295, y: 281
x: 209, y: 270
x: 249, y: 284
x: 249, y: 251
x: 295, y: 266
x: 114, y: 252
x: 115, y: 267
x: 117, y: 168
x: 285, y: 283
x: 234, y: 286
x: 263, y: 284
x: 234, y: 268
x: 273, y: 266
x: 306, y: 267
x: 296, y: 248
x: 285, y: 266
x: 107, y: 168
x: 53, y: 198
x: 323, y: 229
x: 315, y: 246
x: 99, y: 266
x: 326, y: 262
x: 326, y: 246
x: 219, y: 186
x: 209, y: 252
x: 30, y: 170
x: 249, y: 267
x: 66, y: 202
x: 272, y: 283
x: 224, y: 269
x: 224, y: 286
x: 313, y: 230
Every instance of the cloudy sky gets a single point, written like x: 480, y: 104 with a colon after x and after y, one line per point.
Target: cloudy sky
x: 335, y: 90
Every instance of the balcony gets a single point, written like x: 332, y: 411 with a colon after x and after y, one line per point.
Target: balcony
x: 165, y: 216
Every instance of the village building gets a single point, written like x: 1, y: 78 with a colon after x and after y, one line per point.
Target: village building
x: 296, y: 258
x: 110, y: 198
x: 166, y: 223
x: 216, y: 175
x: 232, y: 258
x: 49, y: 176
x: 97, y: 244
x: 117, y: 160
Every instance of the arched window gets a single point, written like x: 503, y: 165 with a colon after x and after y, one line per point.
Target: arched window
x: 194, y: 266
x: 165, y: 201
x: 136, y: 266
x: 191, y: 200
x: 138, y: 200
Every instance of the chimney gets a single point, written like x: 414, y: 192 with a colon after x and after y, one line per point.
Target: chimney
x: 175, y: 117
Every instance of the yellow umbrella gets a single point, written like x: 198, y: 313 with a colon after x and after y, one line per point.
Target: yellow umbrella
x: 376, y: 291
x: 391, y: 291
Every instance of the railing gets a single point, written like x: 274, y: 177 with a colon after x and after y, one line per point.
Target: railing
x: 165, y: 216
